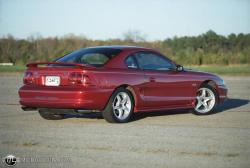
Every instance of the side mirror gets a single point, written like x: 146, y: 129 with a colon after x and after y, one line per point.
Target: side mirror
x: 179, y: 68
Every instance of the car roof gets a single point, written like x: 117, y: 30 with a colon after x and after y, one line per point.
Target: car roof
x: 121, y: 47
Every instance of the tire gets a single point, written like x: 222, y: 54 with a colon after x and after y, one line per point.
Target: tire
x: 207, y: 99
x: 50, y: 116
x: 120, y: 107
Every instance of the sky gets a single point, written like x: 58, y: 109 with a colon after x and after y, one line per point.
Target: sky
x: 105, y: 19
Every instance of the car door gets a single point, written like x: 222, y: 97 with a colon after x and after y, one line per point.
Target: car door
x: 163, y: 87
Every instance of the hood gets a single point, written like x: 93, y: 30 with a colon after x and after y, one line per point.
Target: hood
x: 198, y: 72
x: 205, y: 75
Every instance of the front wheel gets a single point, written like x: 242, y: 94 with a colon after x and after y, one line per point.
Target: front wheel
x: 120, y: 107
x: 206, y: 100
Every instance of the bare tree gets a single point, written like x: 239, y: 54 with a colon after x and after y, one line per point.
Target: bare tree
x: 134, y: 35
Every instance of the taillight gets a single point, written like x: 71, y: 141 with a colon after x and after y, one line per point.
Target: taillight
x: 28, y: 78
x: 78, y: 78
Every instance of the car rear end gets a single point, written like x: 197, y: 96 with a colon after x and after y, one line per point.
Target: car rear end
x: 68, y: 83
x: 60, y: 86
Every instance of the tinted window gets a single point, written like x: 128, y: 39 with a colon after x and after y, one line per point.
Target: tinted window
x: 130, y: 62
x: 152, y: 61
x: 91, y: 56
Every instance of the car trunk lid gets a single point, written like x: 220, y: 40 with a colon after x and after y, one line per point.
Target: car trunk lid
x: 56, y: 74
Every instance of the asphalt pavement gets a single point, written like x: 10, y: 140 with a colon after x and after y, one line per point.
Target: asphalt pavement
x: 169, y: 139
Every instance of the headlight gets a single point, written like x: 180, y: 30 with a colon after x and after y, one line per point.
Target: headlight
x: 223, y: 82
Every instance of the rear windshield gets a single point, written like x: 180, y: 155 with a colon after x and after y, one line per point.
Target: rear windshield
x: 92, y: 56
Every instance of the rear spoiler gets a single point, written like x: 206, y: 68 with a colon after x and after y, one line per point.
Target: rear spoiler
x: 36, y: 64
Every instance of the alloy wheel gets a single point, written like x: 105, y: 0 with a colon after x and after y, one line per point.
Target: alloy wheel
x: 205, y: 100
x: 122, y: 105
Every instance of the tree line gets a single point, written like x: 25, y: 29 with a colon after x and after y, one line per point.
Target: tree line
x: 207, y: 48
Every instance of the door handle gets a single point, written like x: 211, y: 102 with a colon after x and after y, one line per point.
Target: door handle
x: 151, y: 79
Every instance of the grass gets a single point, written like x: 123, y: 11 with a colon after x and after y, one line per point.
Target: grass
x: 224, y: 70
x: 12, y: 68
x: 221, y: 70
x: 30, y: 144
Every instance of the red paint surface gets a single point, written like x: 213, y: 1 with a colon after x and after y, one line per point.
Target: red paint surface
x: 152, y: 90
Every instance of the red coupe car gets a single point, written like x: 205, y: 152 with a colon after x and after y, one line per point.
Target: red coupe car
x: 117, y: 81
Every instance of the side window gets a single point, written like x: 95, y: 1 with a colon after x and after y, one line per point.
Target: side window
x: 152, y: 61
x: 130, y: 62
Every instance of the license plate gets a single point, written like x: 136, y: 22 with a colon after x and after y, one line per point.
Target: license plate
x: 52, y: 80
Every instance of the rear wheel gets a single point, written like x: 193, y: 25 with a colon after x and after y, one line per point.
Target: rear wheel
x: 206, y: 100
x: 120, y: 107
x: 50, y: 116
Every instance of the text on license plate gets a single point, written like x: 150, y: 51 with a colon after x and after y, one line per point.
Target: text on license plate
x: 52, y: 80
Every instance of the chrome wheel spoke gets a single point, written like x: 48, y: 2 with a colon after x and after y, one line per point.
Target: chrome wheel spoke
x: 120, y: 113
x: 124, y: 99
x: 118, y: 100
x: 126, y: 109
x: 203, y: 93
x: 199, y: 104
x: 209, y: 98
x: 205, y: 104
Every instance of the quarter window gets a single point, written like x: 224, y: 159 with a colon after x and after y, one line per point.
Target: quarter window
x: 130, y: 62
x: 93, y: 59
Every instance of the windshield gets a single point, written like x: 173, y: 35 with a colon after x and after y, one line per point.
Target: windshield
x: 91, y: 56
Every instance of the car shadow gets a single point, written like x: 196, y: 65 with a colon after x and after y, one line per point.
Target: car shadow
x: 141, y: 115
x: 231, y: 104
x: 94, y: 115
x: 227, y: 105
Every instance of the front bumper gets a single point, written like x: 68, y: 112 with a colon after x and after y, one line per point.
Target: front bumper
x: 223, y: 92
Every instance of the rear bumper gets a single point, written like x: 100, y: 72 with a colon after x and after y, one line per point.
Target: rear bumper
x: 222, y: 91
x: 61, y: 111
x: 63, y: 97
